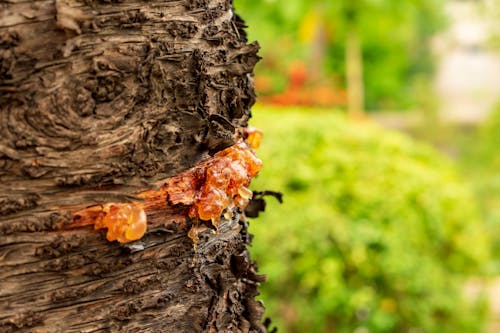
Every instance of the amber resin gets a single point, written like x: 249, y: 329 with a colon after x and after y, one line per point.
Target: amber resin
x: 206, y: 192
x: 253, y: 137
x: 125, y: 222
x: 227, y: 176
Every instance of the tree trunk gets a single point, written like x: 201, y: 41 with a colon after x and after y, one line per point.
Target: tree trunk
x: 108, y: 101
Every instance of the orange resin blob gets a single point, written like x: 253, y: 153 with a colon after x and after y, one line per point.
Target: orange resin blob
x: 254, y: 137
x: 125, y: 222
x: 206, y: 191
x: 226, y: 179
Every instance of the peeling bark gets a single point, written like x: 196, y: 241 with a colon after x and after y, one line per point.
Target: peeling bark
x: 101, y: 100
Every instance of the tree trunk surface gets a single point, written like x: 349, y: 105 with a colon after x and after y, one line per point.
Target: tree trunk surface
x: 101, y: 100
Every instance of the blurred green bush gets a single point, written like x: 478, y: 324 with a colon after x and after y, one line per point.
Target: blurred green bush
x: 480, y: 161
x: 377, y: 232
x: 489, y: 139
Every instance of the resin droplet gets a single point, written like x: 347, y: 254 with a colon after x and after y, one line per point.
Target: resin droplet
x: 226, y: 179
x: 254, y: 137
x: 211, y: 204
x: 125, y: 222
x: 245, y: 193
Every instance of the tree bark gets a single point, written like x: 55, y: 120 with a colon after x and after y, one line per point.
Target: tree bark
x: 101, y: 101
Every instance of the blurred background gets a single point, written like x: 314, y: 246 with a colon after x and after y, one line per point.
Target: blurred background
x: 382, y: 129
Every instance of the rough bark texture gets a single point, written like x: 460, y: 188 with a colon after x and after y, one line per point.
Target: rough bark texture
x: 100, y: 100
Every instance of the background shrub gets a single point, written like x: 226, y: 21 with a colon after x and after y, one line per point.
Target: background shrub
x: 480, y: 161
x: 376, y: 234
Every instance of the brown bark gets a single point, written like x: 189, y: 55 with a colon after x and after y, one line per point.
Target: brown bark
x: 99, y: 101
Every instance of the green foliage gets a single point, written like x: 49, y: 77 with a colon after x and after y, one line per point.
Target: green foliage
x: 487, y: 147
x: 480, y: 159
x: 395, y: 39
x: 376, y: 232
